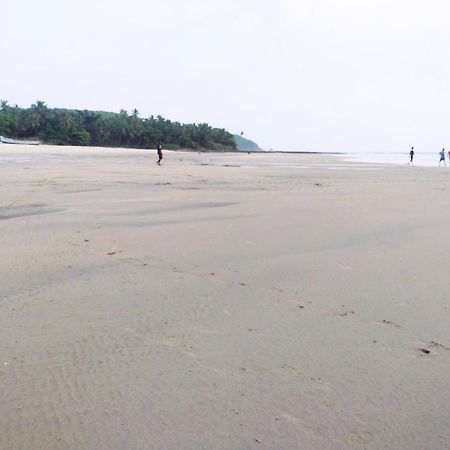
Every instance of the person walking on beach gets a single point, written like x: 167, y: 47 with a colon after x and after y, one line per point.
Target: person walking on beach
x: 442, y: 157
x: 411, y: 155
x: 160, y: 156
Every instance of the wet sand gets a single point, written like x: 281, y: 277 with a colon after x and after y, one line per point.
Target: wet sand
x: 222, y: 301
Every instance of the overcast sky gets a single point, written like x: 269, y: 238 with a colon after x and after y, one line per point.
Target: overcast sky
x: 324, y: 75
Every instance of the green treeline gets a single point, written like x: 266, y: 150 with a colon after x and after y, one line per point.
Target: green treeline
x: 107, y: 129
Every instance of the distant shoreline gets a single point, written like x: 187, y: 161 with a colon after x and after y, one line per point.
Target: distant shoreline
x: 265, y: 152
x: 297, y: 152
x: 199, y: 150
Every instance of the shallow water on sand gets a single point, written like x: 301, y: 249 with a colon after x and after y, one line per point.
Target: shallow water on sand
x: 421, y: 159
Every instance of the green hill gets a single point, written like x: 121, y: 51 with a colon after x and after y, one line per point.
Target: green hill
x: 245, y: 145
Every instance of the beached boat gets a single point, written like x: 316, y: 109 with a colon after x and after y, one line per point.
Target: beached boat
x: 5, y: 140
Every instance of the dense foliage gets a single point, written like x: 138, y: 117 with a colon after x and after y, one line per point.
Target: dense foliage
x: 75, y: 127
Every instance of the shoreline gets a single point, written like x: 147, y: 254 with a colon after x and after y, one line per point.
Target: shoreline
x: 422, y: 160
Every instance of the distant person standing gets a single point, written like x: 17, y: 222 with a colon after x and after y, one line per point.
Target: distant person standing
x: 160, y: 156
x: 442, y: 157
x: 448, y: 154
x: 411, y: 155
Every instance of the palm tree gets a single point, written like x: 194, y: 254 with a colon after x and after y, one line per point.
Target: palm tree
x: 38, y: 116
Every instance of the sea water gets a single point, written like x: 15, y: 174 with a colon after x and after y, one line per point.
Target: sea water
x: 422, y: 159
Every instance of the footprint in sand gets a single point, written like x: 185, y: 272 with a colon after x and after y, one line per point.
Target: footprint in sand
x: 423, y: 352
x: 431, y: 349
x: 388, y: 323
x: 290, y: 371
x: 438, y: 346
x: 346, y: 313
x: 359, y: 440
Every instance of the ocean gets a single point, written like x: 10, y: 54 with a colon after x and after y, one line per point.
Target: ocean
x: 421, y: 159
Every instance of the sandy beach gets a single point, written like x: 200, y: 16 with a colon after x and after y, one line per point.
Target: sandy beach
x: 222, y: 301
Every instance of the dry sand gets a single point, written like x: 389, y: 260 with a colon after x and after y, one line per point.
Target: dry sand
x: 221, y: 302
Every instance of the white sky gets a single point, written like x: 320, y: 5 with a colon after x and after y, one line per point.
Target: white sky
x: 323, y: 75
